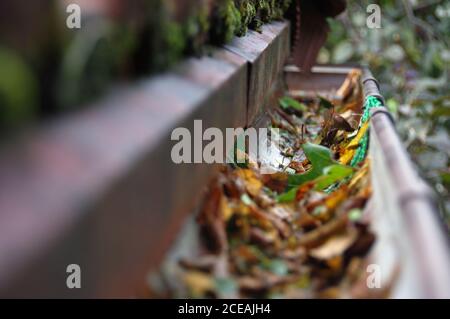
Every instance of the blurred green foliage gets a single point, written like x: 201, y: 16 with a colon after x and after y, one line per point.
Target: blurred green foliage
x: 410, y: 56
x: 18, y: 88
x: 56, y: 69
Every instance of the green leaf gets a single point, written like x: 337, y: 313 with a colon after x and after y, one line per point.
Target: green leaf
x: 333, y: 174
x: 226, y: 286
x: 277, y: 267
x: 355, y: 214
x: 325, y: 171
x: 287, y: 102
x: 324, y: 103
x: 392, y: 105
x: 443, y: 111
x: 445, y: 178
x: 343, y: 52
x: 18, y: 89
x: 320, y: 157
x: 394, y: 53
x: 235, y: 155
x: 247, y: 200
x: 288, y: 196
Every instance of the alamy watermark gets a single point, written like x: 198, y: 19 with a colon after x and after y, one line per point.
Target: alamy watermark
x: 236, y: 146
x: 73, y: 20
x: 373, y: 21
x: 73, y: 280
x: 373, y: 280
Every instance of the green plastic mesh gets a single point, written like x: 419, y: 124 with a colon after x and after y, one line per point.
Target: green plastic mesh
x: 361, y: 152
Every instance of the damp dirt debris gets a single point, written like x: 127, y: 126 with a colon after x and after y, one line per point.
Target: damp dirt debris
x: 302, y: 232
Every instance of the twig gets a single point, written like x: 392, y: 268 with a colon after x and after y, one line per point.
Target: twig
x: 416, y: 21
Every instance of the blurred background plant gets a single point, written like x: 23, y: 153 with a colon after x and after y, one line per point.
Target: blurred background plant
x: 410, y: 57
x: 47, y: 68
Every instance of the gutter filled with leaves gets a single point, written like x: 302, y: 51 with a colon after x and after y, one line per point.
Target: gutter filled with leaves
x: 299, y: 233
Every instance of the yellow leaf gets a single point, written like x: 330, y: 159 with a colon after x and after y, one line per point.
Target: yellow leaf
x: 198, y: 283
x: 336, y: 198
x: 226, y: 209
x: 252, y: 183
x: 362, y: 174
x: 350, y: 149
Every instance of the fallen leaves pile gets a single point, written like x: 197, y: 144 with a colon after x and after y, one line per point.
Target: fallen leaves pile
x: 302, y: 232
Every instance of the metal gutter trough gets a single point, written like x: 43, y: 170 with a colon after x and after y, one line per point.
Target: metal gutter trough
x: 410, y: 251
x: 404, y: 213
x: 98, y: 188
x: 412, y: 245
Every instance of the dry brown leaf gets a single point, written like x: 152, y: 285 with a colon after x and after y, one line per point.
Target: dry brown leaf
x: 335, y: 246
